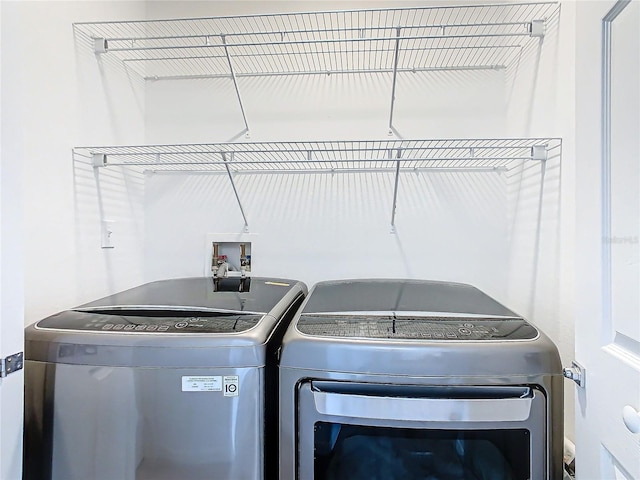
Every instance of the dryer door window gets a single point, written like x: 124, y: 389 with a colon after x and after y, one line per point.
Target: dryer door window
x: 353, y: 452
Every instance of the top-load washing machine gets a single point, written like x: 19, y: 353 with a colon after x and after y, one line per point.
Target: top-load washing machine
x: 407, y: 379
x: 170, y: 380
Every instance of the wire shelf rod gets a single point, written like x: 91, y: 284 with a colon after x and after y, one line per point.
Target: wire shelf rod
x: 237, y: 89
x: 396, y: 58
x: 282, y: 32
x: 499, y: 169
x: 235, y: 191
x: 271, y: 149
x: 326, y: 40
x: 317, y: 161
x: 275, y: 149
x: 326, y: 12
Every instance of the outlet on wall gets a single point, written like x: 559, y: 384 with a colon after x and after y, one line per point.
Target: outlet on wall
x: 106, y: 235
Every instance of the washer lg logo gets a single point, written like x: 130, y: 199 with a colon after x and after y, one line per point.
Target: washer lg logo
x: 231, y: 388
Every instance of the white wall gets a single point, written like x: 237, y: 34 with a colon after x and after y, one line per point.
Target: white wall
x: 541, y: 101
x: 315, y: 227
x: 11, y: 273
x: 62, y: 97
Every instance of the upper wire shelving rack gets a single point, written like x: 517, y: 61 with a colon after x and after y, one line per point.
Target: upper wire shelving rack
x: 384, y: 41
x: 349, y: 41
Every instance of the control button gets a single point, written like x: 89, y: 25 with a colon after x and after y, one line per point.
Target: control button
x: 118, y: 327
x: 163, y: 328
x: 452, y: 335
x: 438, y: 335
x: 181, y: 324
x: 151, y: 328
x: 108, y: 326
x: 139, y: 328
x: 468, y: 325
x: 129, y: 327
x: 464, y: 331
x: 89, y: 325
x: 428, y: 335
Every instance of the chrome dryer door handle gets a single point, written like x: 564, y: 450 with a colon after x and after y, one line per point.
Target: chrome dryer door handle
x: 423, y: 409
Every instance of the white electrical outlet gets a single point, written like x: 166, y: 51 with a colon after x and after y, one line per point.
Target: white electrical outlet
x: 107, y: 237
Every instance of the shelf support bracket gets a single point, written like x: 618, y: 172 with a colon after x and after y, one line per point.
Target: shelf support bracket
x: 99, y: 160
x: 395, y: 188
x: 396, y: 57
x: 235, y: 84
x: 537, y: 28
x: 100, y: 45
x: 235, y: 190
x: 539, y: 152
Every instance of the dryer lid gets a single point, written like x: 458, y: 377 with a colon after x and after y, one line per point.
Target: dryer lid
x: 403, y: 327
x: 392, y: 295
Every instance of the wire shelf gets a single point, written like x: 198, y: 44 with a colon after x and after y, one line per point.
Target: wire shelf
x: 392, y: 156
x: 350, y: 41
x: 326, y: 156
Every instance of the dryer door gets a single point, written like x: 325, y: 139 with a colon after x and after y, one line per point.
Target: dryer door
x: 361, y: 431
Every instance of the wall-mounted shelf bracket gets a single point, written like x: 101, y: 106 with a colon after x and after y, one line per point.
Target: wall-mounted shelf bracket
x: 99, y: 160
x: 235, y: 83
x: 396, y: 57
x: 235, y: 190
x: 395, y: 188
x: 100, y: 45
x: 537, y: 28
x: 539, y: 152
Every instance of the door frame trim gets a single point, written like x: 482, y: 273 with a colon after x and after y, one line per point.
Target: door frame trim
x: 606, y: 239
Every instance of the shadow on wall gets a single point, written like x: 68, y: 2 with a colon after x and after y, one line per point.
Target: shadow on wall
x: 450, y: 225
x: 445, y: 104
x: 534, y: 192
x: 107, y: 198
x: 531, y: 82
x: 112, y: 96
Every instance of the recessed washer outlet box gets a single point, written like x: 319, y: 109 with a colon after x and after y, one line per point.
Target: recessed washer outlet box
x: 230, y: 246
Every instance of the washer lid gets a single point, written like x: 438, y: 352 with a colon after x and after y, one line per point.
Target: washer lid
x: 198, y: 294
x: 186, y: 305
x: 392, y: 295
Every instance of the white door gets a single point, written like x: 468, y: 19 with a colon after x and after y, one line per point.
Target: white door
x: 608, y: 233
x: 11, y: 289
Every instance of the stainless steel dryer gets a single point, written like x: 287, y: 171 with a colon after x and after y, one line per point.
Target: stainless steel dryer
x: 404, y: 379
x: 170, y: 380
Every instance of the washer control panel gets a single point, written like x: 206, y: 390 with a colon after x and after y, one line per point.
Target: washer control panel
x: 159, y: 322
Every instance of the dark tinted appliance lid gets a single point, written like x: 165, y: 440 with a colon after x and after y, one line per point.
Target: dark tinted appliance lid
x: 198, y: 294
x: 457, y: 328
x: 187, y: 305
x: 402, y: 295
